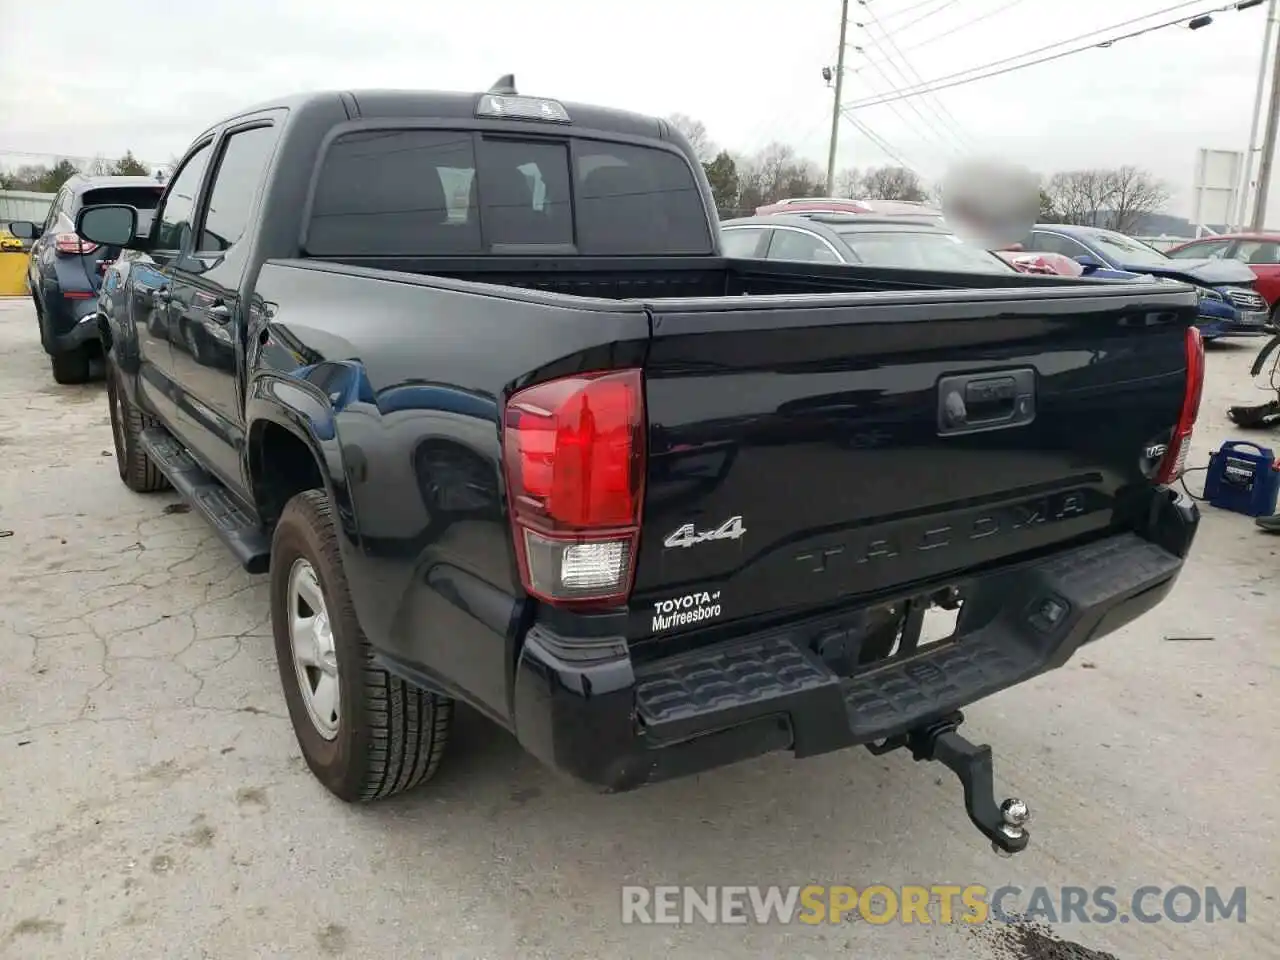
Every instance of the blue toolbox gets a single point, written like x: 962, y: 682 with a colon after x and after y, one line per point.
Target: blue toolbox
x: 1242, y: 481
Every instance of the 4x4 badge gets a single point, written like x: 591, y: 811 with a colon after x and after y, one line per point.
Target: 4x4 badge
x: 687, y: 535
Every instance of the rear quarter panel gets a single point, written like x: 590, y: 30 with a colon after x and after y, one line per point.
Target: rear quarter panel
x: 400, y: 381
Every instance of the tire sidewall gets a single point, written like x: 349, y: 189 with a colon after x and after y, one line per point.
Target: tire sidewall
x: 119, y: 413
x: 337, y: 763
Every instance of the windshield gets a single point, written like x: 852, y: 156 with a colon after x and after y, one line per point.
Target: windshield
x: 1127, y: 250
x: 920, y: 250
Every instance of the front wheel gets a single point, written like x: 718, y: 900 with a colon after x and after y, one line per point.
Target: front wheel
x: 364, y: 733
x: 127, y: 423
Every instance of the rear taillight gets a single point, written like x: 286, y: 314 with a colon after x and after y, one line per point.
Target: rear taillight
x: 71, y: 244
x: 574, y: 455
x: 1175, y: 458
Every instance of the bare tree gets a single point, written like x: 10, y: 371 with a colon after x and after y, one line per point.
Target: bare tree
x: 1080, y: 196
x: 1116, y: 198
x: 773, y: 173
x: 892, y: 183
x: 695, y: 131
x: 100, y: 166
x: 1134, y: 193
x: 848, y: 182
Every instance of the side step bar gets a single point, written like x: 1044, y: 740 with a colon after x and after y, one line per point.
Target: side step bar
x: 237, y: 529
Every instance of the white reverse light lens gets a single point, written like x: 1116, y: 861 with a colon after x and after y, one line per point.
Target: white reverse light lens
x: 576, y: 571
x: 593, y: 566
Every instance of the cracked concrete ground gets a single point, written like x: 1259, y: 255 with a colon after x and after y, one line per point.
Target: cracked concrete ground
x: 153, y: 802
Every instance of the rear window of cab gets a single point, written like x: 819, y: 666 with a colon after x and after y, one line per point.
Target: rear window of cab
x: 455, y: 193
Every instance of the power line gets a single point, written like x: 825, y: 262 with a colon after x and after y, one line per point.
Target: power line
x: 915, y: 6
x: 880, y: 142
x: 961, y: 77
x: 960, y: 26
x: 935, y: 105
x: 926, y: 130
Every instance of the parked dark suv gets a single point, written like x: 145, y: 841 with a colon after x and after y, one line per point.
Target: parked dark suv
x: 65, y: 272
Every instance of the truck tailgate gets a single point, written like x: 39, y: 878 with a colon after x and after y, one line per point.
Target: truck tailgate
x: 808, y: 450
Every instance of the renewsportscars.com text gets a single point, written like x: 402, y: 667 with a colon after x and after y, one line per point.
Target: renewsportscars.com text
x: 931, y: 904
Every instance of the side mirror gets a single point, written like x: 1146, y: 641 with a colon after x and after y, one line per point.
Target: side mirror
x: 24, y: 230
x: 1089, y: 262
x: 112, y: 225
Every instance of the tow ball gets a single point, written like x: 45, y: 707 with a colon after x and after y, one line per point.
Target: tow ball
x: 1004, y: 825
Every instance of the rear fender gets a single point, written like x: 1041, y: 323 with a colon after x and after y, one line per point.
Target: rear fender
x: 298, y: 407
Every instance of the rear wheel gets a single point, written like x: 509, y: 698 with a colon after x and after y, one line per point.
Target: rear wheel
x: 364, y: 733
x: 127, y: 423
x: 70, y: 366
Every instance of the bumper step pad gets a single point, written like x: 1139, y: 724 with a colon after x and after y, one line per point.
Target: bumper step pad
x: 1015, y: 623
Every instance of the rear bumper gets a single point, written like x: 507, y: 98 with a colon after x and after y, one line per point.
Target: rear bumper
x: 617, y: 724
x: 68, y: 321
x: 86, y: 328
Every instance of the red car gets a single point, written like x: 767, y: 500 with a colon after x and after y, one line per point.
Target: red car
x: 1261, y: 251
x: 885, y: 208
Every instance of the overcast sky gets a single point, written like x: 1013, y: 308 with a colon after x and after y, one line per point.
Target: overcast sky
x: 85, y: 79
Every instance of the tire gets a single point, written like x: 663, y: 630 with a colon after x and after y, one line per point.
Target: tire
x: 70, y: 366
x: 127, y: 423
x: 388, y: 735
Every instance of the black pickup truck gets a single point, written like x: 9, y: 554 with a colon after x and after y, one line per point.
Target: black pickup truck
x: 469, y: 378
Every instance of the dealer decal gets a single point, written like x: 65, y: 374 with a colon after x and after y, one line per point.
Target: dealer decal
x: 682, y: 611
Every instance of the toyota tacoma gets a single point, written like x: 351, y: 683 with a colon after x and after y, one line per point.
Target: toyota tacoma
x: 468, y: 377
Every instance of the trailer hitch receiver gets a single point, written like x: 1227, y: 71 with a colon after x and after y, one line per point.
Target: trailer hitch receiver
x: 1004, y: 825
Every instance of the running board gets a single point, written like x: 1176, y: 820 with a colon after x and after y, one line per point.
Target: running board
x: 235, y: 527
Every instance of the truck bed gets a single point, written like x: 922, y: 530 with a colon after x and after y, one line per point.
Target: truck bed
x: 621, y: 278
x: 805, y: 400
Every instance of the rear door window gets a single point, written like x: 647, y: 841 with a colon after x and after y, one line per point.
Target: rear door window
x: 742, y: 243
x: 59, y: 206
x: 1258, y: 251
x: 800, y: 245
x: 452, y: 193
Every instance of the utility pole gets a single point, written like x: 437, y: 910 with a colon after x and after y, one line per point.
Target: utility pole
x: 1273, y: 120
x: 835, y: 106
x: 1241, y: 214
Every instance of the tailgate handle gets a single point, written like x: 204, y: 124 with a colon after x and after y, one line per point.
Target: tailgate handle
x: 973, y: 402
